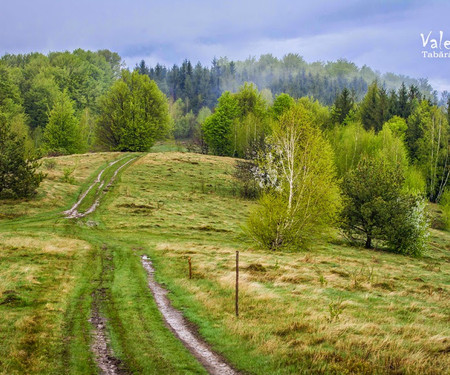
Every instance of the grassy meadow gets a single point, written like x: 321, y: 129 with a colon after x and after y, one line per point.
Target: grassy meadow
x: 331, y: 309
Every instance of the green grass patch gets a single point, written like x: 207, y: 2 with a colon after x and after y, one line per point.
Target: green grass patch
x: 329, y: 309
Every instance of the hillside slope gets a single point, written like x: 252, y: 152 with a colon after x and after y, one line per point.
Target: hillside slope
x: 330, y: 309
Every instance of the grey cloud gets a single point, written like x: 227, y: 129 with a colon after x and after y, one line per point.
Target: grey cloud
x: 381, y: 34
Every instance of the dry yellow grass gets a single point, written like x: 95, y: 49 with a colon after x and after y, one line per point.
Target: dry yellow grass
x: 329, y: 309
x: 54, y: 192
x: 36, y: 279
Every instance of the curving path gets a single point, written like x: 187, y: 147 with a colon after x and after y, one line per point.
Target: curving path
x: 101, y: 191
x: 174, y: 319
x: 214, y: 364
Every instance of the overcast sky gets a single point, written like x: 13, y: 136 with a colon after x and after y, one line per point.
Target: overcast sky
x: 382, y: 34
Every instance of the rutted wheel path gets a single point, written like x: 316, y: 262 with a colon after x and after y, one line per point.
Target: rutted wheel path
x: 182, y: 330
x: 101, y: 190
x: 107, y: 363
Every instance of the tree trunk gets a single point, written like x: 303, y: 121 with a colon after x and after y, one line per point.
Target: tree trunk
x: 369, y: 242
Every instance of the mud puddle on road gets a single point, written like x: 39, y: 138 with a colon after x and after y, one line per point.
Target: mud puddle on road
x: 212, y: 362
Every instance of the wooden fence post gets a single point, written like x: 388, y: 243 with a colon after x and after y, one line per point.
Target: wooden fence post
x: 237, y: 284
x: 190, y: 268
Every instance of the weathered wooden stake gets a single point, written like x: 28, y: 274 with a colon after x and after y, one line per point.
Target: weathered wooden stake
x: 237, y: 283
x: 190, y: 268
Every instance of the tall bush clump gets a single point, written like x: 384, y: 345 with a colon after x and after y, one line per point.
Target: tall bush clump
x: 377, y: 208
x: 301, y: 195
x: 18, y: 176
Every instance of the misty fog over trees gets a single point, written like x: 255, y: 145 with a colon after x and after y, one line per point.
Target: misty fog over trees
x: 198, y: 85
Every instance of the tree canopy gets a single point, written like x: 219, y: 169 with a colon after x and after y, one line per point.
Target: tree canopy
x: 133, y: 114
x: 18, y: 176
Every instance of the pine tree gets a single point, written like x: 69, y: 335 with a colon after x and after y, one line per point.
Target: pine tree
x: 370, y: 108
x: 404, y: 109
x: 393, y: 104
x: 383, y: 108
x: 342, y: 106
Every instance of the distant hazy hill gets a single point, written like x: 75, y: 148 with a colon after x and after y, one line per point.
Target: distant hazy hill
x: 202, y: 85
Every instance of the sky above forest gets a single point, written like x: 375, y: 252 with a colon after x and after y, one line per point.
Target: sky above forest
x: 383, y: 34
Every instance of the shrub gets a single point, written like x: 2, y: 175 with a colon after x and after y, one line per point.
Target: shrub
x: 244, y: 175
x: 18, y: 176
x: 377, y: 208
x: 68, y: 175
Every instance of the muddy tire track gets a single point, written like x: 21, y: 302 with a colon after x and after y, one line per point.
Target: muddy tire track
x: 100, y: 343
x: 100, y: 346
x: 182, y: 329
x: 73, y: 212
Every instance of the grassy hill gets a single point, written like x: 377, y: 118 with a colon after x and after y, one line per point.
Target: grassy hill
x: 329, y: 309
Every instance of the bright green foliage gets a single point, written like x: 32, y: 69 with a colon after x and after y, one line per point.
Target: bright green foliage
x: 84, y: 74
x: 301, y: 197
x: 183, y: 124
x: 249, y: 100
x: 398, y: 126
x: 11, y: 108
x: 10, y: 101
x: 407, y: 231
x: 218, y: 127
x: 343, y: 105
x: 250, y: 127
x: 133, y: 114
x: 239, y: 124
x: 375, y: 208
x: 35, y: 80
x: 282, y: 103
x: 352, y: 143
x: 87, y: 130
x: 320, y: 114
x: 448, y: 110
x: 18, y: 176
x: 39, y: 99
x: 428, y: 140
x: 415, y: 182
x: 203, y: 114
x: 266, y: 223
x: 62, y: 134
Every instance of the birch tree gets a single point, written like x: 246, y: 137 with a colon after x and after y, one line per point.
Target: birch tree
x: 301, y: 196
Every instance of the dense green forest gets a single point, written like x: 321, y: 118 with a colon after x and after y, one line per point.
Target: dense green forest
x: 199, y: 85
x: 74, y: 102
x: 37, y: 90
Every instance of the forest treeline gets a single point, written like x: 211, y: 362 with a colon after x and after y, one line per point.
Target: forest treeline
x: 36, y: 89
x: 199, y: 86
x: 74, y: 102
